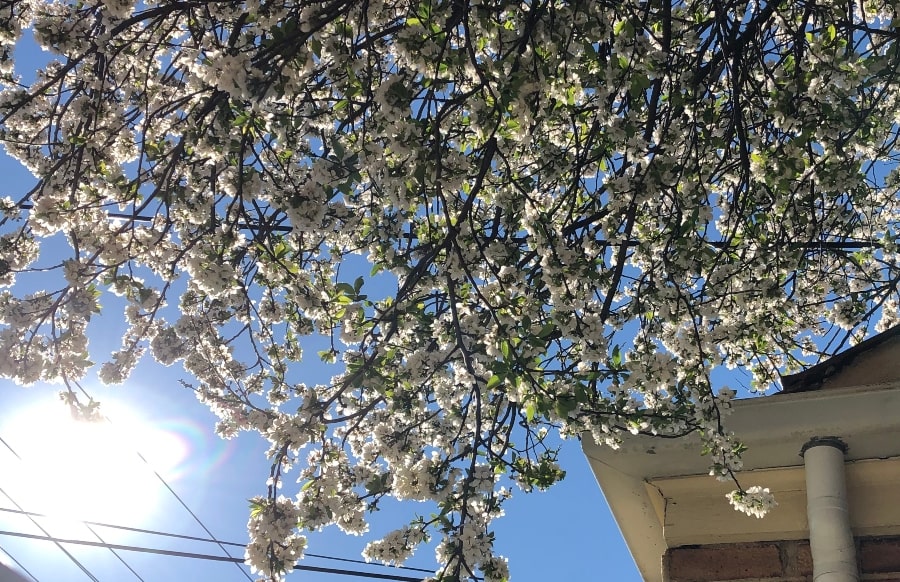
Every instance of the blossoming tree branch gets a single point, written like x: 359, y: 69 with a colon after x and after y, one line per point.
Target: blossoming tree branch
x: 573, y: 213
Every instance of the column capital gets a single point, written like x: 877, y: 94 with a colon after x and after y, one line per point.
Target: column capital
x: 826, y: 441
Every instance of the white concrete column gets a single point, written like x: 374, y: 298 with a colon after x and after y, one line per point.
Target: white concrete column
x: 830, y: 539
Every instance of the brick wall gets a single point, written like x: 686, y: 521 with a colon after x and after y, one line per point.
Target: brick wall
x: 781, y: 561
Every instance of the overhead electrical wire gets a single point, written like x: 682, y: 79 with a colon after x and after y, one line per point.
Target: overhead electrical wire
x: 210, y: 557
x: 178, y: 498
x: 212, y: 539
x: 146, y: 218
x: 115, y: 553
x: 172, y: 491
x: 74, y: 560
x: 31, y: 516
x: 239, y: 563
x: 40, y: 527
x: 131, y: 529
x: 207, y: 540
x: 282, y: 228
x: 19, y: 564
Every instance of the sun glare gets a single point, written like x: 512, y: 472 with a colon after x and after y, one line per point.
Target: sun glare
x: 88, y: 470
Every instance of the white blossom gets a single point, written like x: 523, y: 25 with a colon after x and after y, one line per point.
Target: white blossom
x: 495, y: 224
x: 755, y: 501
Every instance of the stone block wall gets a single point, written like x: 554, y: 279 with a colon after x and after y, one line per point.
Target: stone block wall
x: 780, y: 561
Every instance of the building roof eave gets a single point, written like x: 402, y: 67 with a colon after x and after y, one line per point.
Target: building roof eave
x: 774, y: 430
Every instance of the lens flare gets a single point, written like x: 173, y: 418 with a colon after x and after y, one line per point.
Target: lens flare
x: 88, y: 470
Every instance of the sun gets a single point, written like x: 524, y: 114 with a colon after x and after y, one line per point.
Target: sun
x: 87, y: 470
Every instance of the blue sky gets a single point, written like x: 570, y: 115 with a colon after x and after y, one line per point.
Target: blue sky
x: 566, y: 532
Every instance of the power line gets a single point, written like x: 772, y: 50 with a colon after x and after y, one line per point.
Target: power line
x: 115, y: 553
x: 210, y: 557
x: 138, y: 530
x: 258, y: 225
x: 238, y: 562
x: 40, y: 527
x: 18, y: 563
x: 11, y: 450
x: 188, y: 509
x: 207, y: 540
x: 211, y: 539
x: 31, y: 516
x: 251, y: 225
x: 221, y: 544
x: 163, y: 481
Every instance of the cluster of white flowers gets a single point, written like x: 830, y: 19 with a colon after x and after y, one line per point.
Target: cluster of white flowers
x: 118, y: 370
x: 396, y: 547
x: 755, y: 501
x: 274, y: 546
x: 495, y: 226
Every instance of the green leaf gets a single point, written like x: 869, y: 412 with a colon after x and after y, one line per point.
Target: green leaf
x: 424, y: 10
x: 377, y: 484
x: 240, y: 120
x: 639, y: 84
x: 616, y: 357
x: 493, y: 382
x: 565, y: 405
x: 623, y: 27
x: 345, y: 288
x: 256, y: 507
x: 547, y: 330
x: 143, y: 294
